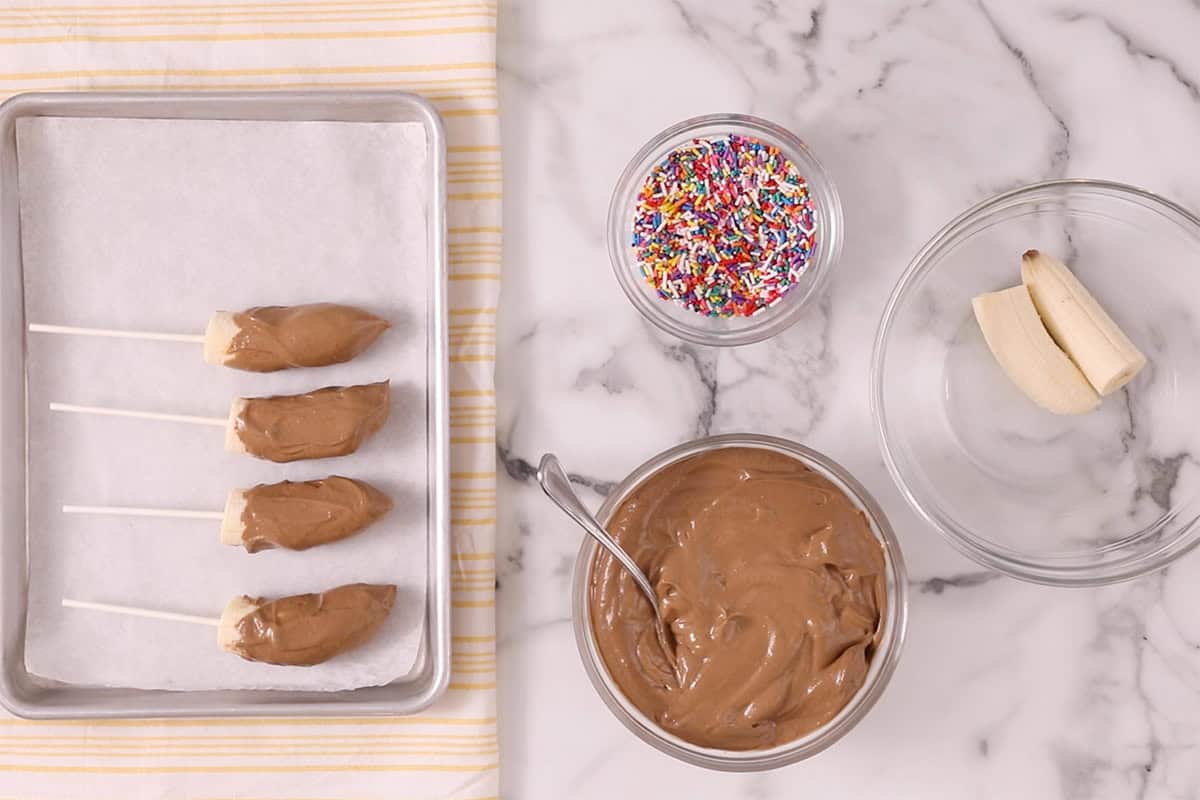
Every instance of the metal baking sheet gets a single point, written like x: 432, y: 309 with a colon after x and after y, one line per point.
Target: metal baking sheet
x: 29, y: 696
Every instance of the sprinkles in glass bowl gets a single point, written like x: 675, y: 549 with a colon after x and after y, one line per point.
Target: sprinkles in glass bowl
x: 723, y: 229
x: 724, y: 226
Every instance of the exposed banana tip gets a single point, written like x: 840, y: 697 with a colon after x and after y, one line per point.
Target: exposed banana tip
x: 1029, y: 255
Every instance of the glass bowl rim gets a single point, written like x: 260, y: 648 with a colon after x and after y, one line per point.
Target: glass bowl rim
x: 887, y: 656
x: 788, y: 311
x: 1039, y: 570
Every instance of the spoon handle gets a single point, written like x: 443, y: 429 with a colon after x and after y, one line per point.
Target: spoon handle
x: 557, y: 486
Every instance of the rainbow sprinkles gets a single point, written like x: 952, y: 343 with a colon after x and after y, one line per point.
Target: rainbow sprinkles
x: 724, y: 226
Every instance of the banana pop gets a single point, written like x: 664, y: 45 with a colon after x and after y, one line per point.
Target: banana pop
x: 271, y: 338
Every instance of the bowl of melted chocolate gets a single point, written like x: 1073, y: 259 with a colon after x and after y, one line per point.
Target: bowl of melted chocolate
x: 783, y: 588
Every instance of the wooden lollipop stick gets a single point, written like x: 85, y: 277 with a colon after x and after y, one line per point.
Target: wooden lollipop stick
x: 121, y: 412
x: 71, y: 330
x: 133, y: 511
x: 133, y: 611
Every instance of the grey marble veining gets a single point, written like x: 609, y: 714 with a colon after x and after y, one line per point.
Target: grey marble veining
x: 918, y: 109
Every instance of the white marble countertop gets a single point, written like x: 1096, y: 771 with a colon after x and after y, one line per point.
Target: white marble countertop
x: 918, y: 109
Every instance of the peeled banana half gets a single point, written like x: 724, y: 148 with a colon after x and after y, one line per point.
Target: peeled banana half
x: 1020, y: 342
x: 1079, y: 325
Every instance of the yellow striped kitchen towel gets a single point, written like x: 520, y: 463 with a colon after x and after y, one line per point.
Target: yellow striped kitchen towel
x: 445, y: 50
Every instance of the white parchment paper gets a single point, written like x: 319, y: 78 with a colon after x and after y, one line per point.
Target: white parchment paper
x: 153, y: 225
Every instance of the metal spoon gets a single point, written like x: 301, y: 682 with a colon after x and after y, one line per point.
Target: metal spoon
x: 557, y: 486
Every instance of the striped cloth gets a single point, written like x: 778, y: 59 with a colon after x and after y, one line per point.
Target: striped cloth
x: 444, y: 49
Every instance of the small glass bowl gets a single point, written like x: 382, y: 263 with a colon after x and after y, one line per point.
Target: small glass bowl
x: 883, y: 663
x: 690, y: 325
x: 1060, y: 500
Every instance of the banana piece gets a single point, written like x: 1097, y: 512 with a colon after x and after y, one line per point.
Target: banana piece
x: 270, y: 338
x: 232, y: 527
x: 324, y: 423
x: 1107, y: 357
x: 233, y: 441
x: 218, y: 337
x: 227, y: 629
x: 304, y: 629
x: 1020, y: 342
x: 297, y: 515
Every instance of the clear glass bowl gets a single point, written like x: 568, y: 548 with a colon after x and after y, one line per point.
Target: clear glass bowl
x: 690, y: 325
x: 882, y: 664
x: 1066, y: 501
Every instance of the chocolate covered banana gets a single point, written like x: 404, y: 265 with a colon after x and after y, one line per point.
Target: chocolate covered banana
x: 264, y: 338
x: 292, y: 515
x: 304, y: 629
x: 297, y: 515
x: 300, y: 630
x: 328, y: 422
x: 270, y: 338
